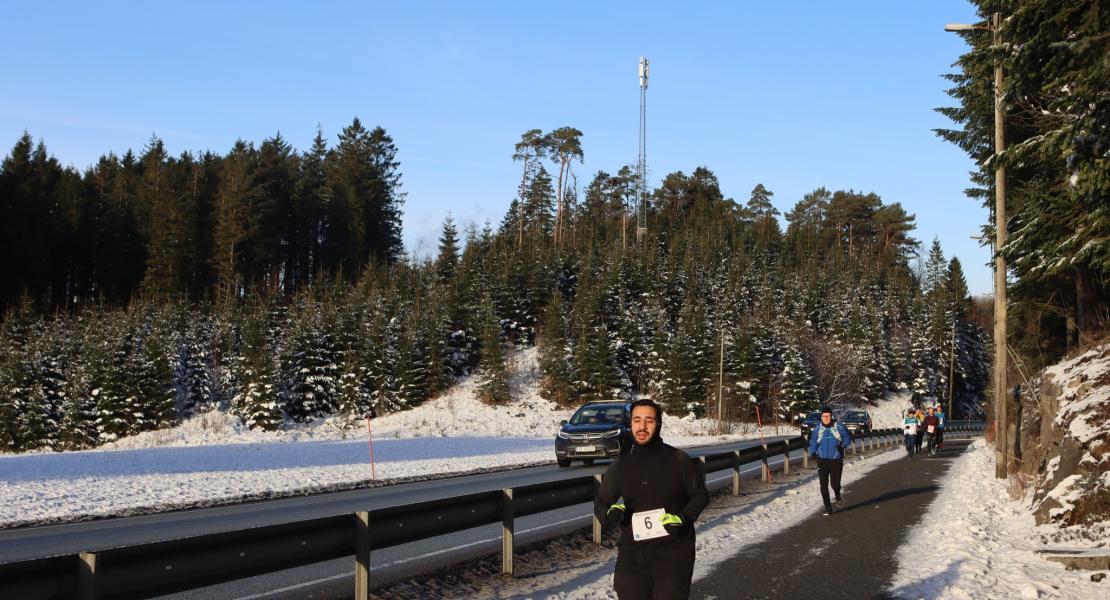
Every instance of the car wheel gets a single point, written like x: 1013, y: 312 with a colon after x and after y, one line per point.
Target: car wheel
x: 563, y: 462
x: 587, y: 461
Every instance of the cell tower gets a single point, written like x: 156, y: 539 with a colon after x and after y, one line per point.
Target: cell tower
x: 641, y: 166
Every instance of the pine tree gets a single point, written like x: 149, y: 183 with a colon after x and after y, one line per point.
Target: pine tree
x: 193, y: 376
x: 448, y: 256
x: 312, y: 372
x: 493, y: 379
x: 557, y: 356
x: 799, y: 390
x: 52, y: 388
x: 256, y: 400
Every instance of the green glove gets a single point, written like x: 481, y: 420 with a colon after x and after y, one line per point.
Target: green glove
x: 673, y: 524
x: 614, y: 516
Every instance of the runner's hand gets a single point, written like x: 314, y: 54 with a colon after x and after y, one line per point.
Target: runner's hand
x: 614, y: 516
x: 673, y: 524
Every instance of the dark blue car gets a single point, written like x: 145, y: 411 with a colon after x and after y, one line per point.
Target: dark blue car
x: 600, y: 429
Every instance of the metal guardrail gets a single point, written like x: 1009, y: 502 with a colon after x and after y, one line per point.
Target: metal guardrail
x: 176, y: 565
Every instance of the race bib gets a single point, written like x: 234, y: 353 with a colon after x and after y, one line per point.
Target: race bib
x: 930, y: 430
x: 647, y: 525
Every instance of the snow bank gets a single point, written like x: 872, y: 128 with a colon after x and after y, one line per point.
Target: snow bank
x: 1068, y: 431
x: 984, y: 545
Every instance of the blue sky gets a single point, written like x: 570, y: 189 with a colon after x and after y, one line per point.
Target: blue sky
x: 794, y: 95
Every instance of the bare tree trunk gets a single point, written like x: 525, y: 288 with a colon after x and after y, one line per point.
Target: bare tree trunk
x: 1083, y: 305
x: 563, y: 160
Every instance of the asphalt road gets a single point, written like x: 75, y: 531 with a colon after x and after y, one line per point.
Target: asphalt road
x: 849, y: 554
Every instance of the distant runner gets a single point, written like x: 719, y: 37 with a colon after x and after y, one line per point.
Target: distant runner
x: 909, y: 432
x: 826, y: 444
x: 940, y: 429
x: 662, y: 492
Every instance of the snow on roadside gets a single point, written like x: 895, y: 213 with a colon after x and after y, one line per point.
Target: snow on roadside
x: 889, y: 412
x: 213, y: 458
x: 983, y: 545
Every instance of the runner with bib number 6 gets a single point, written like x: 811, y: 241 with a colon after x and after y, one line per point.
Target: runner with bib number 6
x: 661, y: 492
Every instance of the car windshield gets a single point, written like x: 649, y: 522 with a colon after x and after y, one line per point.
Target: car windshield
x: 597, y: 415
x: 813, y: 416
x: 856, y: 416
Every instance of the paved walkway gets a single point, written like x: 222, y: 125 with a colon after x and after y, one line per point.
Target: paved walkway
x: 849, y: 554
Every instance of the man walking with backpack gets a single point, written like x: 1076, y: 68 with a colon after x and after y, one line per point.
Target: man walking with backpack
x: 827, y: 444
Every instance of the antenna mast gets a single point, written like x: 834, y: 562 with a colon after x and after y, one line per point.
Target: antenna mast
x: 641, y: 166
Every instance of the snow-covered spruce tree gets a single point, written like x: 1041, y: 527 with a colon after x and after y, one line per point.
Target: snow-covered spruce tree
x: 35, y: 425
x: 597, y: 377
x: 112, y: 388
x: 312, y: 373
x: 256, y: 401
x: 437, y: 328
x: 153, y: 386
x: 413, y: 367
x: 353, y: 392
x: 77, y: 430
x: 799, y: 389
x: 493, y: 378
x: 50, y: 372
x: 226, y: 352
x: 448, y: 258
x: 16, y: 381
x: 925, y: 373
x: 380, y: 359
x: 557, y: 356
x: 689, y: 371
x: 515, y: 301
x: 972, y: 371
x: 193, y: 375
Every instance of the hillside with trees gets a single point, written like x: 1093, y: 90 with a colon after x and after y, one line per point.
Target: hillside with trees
x: 272, y: 283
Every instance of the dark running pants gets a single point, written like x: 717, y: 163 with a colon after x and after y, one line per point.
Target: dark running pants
x: 910, y: 444
x: 631, y: 586
x: 940, y: 437
x: 829, y: 468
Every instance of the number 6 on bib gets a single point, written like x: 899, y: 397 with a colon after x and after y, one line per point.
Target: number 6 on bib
x: 647, y: 525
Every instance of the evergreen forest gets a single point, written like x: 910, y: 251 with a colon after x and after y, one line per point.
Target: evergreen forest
x: 272, y: 282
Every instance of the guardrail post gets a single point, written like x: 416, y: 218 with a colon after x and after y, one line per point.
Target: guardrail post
x: 765, y: 470
x: 596, y: 521
x: 735, y: 472
x: 786, y: 458
x: 507, y: 531
x: 362, y: 555
x: 86, y: 576
x: 805, y: 457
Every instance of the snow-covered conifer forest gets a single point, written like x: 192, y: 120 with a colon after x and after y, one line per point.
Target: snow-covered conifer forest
x: 271, y: 284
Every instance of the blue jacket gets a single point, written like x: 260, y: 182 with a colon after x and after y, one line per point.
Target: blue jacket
x: 823, y: 442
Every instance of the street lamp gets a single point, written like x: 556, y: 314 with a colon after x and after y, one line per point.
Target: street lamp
x: 1000, y: 395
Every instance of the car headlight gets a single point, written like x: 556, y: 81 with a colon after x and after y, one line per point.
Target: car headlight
x: 612, y: 433
x: 563, y: 434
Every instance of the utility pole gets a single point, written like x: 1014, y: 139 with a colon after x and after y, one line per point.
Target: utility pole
x: 1001, y: 418
x: 721, y: 384
x: 1001, y: 397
